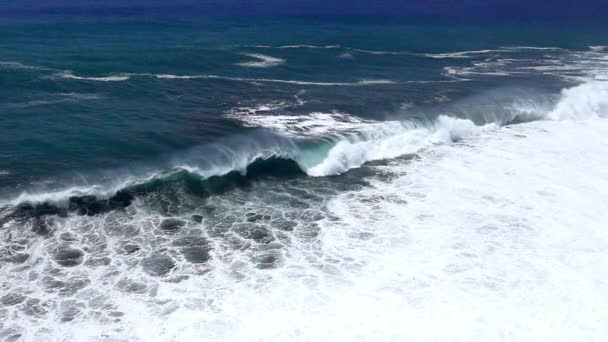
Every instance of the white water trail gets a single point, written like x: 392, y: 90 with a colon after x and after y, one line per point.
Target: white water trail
x: 110, y: 78
x: 393, y: 139
x: 263, y: 61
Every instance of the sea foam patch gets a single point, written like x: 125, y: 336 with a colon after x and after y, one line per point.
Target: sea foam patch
x: 262, y: 61
x: 312, y: 124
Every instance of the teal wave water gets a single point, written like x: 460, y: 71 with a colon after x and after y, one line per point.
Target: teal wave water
x: 218, y: 180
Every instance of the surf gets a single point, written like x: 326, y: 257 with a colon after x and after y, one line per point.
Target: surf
x: 337, y: 143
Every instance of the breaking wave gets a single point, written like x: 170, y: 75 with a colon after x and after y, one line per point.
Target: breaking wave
x: 336, y: 143
x: 109, y: 78
x: 126, y: 77
x: 302, y: 46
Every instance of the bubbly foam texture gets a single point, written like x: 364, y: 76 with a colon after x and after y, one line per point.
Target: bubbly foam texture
x: 483, y: 237
x: 61, y: 197
x: 455, y: 54
x: 462, y: 54
x: 588, y: 100
x: 477, y: 232
x: 385, y: 140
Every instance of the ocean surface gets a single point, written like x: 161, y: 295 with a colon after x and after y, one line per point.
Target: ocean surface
x: 303, y: 180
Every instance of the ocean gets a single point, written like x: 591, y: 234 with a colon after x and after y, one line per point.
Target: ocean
x: 301, y: 179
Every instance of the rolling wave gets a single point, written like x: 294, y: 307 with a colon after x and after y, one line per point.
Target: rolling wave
x: 358, y: 143
x: 270, y: 80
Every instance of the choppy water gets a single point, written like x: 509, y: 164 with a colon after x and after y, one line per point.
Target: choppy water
x: 289, y: 181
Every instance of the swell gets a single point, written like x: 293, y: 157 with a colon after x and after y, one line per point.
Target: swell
x: 288, y: 158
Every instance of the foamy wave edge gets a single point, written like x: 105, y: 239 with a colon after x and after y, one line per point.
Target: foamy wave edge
x: 377, y: 141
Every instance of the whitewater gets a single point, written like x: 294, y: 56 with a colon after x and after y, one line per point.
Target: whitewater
x: 492, y: 232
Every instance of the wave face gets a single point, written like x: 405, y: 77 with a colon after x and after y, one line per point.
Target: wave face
x: 180, y: 182
x: 335, y: 144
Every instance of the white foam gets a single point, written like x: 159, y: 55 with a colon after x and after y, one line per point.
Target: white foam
x: 313, y: 124
x: 301, y: 46
x: 493, y: 243
x: 361, y: 141
x: 110, y: 78
x: 60, y: 196
x: 270, y: 80
x: 500, y: 236
x: 598, y: 48
x: 461, y: 54
x: 455, y: 54
x: 263, y: 61
x: 311, y: 83
x: 169, y: 76
x: 390, y: 140
x: 345, y: 55
x: 467, y: 71
x: 380, y: 52
x: 541, y: 48
x: 572, y: 65
x: 483, y: 241
x: 588, y: 100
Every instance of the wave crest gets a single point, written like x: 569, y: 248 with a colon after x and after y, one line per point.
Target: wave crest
x: 585, y: 101
x: 222, y: 167
x: 263, y: 61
